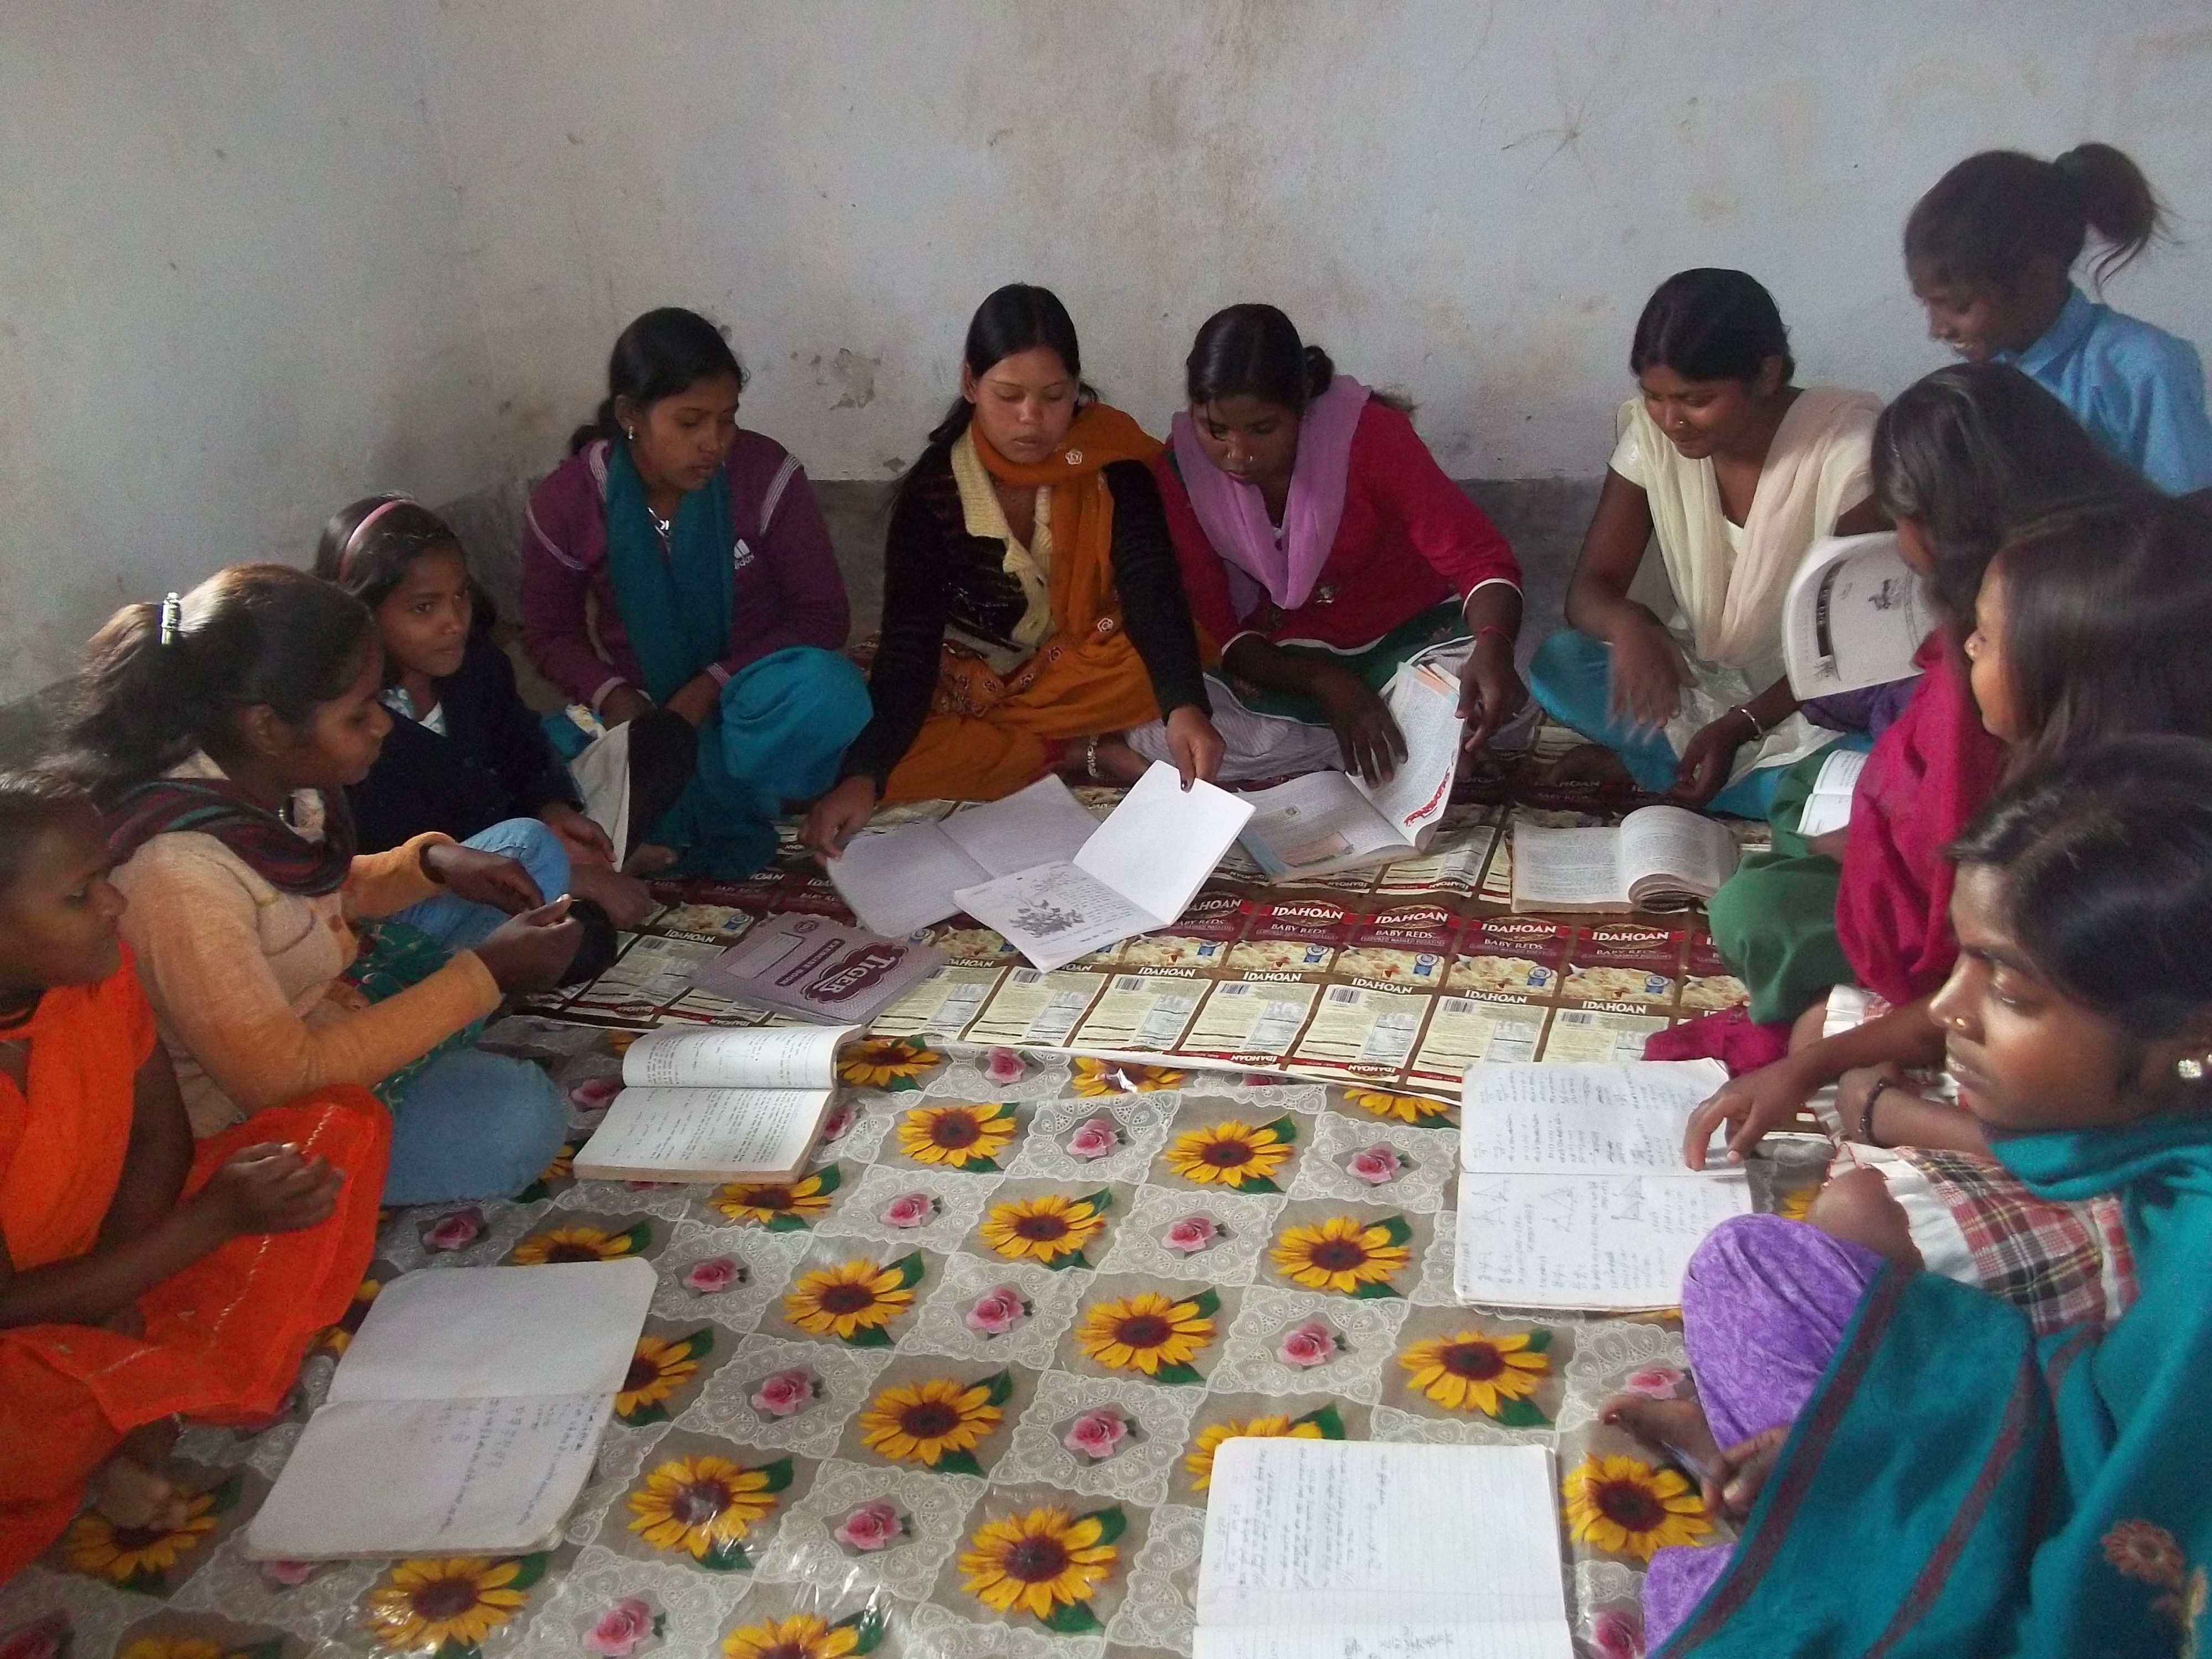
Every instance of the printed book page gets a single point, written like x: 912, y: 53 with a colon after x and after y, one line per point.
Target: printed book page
x: 773, y: 1057
x: 704, y: 1134
x: 1582, y: 1120
x: 1055, y: 913
x: 1424, y: 700
x: 1678, y: 850
x: 1567, y: 869
x: 1361, y: 1547
x: 1855, y: 616
x: 1828, y: 808
x: 1612, y: 1243
x: 1317, y: 824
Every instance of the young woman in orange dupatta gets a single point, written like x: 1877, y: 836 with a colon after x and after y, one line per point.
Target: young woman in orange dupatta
x: 142, y: 1279
x: 1033, y: 609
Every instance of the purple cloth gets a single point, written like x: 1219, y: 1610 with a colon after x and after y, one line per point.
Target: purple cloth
x: 1871, y: 710
x: 1764, y: 1305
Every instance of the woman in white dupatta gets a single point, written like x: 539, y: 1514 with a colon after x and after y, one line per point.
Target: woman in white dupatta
x: 1736, y: 472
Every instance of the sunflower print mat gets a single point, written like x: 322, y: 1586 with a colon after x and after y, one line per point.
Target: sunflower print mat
x: 955, y: 1392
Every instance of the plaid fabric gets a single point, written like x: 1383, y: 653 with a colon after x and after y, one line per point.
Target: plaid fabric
x: 2063, y: 1264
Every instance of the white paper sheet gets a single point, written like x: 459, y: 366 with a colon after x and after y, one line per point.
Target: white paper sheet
x: 431, y: 1477
x: 1345, y: 1548
x: 899, y: 880
x: 1055, y: 913
x: 1316, y: 822
x: 1425, y: 702
x: 1828, y: 808
x: 1615, y: 1242
x: 773, y: 1057
x: 1582, y: 1120
x: 562, y: 1327
x: 1163, y: 842
x: 703, y: 1134
x: 602, y: 777
x: 1043, y: 824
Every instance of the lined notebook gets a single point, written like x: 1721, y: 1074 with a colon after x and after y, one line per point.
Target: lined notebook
x: 744, y: 1105
x: 464, y: 1417
x: 1572, y: 1191
x: 1360, y: 1549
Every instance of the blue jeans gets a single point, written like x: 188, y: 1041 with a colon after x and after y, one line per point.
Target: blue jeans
x: 473, y: 1126
x: 1572, y: 676
x: 456, y: 923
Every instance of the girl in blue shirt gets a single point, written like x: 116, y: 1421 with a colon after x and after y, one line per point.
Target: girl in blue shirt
x: 1990, y: 252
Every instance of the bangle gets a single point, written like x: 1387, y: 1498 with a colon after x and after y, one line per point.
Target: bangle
x: 1091, y: 760
x: 1492, y: 628
x: 1866, y: 1113
x: 1757, y: 730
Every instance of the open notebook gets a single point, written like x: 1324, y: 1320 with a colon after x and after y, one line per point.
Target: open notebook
x: 1660, y: 858
x: 1138, y: 871
x: 1359, y: 1549
x: 1572, y: 1191
x: 464, y: 1417
x: 744, y: 1105
x: 1329, y: 821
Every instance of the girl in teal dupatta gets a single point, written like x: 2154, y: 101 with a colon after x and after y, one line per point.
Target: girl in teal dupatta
x: 1915, y: 1474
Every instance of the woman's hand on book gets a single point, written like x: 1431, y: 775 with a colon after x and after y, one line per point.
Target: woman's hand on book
x: 1753, y: 1106
x: 530, y: 952
x: 1366, y: 737
x: 839, y: 816
x: 1490, y: 691
x: 268, y: 1189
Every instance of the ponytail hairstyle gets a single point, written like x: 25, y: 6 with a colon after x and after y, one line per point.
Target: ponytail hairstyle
x: 1710, y: 324
x: 1020, y: 317
x: 2108, y: 624
x: 366, y: 549
x: 2105, y: 861
x: 1253, y: 351
x: 1991, y: 216
x: 1974, y: 452
x: 659, y: 354
x: 159, y: 681
x: 32, y: 802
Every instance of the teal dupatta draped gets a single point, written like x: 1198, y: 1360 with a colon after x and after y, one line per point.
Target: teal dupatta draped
x: 1953, y: 1488
x: 676, y: 608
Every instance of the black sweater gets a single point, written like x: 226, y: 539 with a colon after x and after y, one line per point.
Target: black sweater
x: 494, y: 762
x: 935, y: 573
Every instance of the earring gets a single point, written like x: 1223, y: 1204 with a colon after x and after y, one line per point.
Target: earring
x: 2190, y: 1070
x: 630, y: 433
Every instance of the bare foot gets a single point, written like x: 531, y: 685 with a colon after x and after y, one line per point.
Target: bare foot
x: 130, y: 1488
x: 1120, y: 762
x: 1675, y: 1428
x: 1591, y: 763
x: 648, y: 859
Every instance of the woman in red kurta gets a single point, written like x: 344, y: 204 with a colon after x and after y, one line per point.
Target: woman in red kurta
x: 142, y: 1279
x: 1322, y: 546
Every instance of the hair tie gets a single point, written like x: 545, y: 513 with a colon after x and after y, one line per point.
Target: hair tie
x: 354, y: 541
x: 172, y: 619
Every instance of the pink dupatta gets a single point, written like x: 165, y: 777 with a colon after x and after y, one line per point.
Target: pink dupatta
x: 1234, y: 516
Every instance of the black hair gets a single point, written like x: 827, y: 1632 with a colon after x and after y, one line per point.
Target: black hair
x: 2107, y: 865
x: 1710, y: 324
x: 1020, y: 317
x: 661, y: 354
x: 32, y: 802
x: 1991, y: 216
x: 251, y: 633
x: 369, y: 567
x: 1253, y: 351
x: 1972, y: 452
x: 2107, y: 625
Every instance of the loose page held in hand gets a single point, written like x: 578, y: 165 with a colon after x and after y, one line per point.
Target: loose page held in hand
x: 464, y: 1417
x: 1359, y: 1547
x: 1582, y: 1120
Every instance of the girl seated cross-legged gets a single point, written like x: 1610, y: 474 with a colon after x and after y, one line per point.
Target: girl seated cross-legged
x: 1915, y: 1473
x: 220, y: 731
x: 142, y: 1279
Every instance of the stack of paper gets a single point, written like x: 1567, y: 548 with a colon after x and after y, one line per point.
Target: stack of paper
x: 1357, y: 1549
x: 1572, y: 1191
x: 464, y: 1417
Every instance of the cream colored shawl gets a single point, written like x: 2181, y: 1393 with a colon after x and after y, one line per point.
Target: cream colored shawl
x: 1816, y: 471
x: 1030, y: 566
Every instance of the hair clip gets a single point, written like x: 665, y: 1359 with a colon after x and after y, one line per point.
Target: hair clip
x: 172, y: 619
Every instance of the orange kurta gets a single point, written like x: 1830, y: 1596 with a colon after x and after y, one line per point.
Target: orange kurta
x: 223, y: 1339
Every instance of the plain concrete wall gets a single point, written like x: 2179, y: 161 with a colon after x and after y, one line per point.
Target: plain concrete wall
x: 261, y: 258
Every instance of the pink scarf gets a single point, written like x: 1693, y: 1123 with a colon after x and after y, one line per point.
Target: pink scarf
x: 1235, y: 517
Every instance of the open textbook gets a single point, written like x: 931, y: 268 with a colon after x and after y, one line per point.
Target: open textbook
x: 1329, y: 821
x: 1659, y: 858
x: 1137, y: 872
x: 464, y: 1417
x: 1828, y: 808
x: 1364, y: 1549
x: 1854, y: 616
x: 1573, y: 1192
x: 721, y: 1105
x: 897, y: 880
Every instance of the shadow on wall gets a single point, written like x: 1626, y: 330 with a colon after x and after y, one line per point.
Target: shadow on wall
x: 1543, y: 517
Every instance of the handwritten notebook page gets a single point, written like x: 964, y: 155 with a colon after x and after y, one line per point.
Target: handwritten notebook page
x: 704, y: 1134
x: 766, y: 1057
x: 464, y: 1417
x: 1345, y: 1548
x: 1581, y: 1118
x: 1616, y: 1243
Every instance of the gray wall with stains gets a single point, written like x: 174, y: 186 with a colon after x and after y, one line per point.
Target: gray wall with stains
x: 261, y: 259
